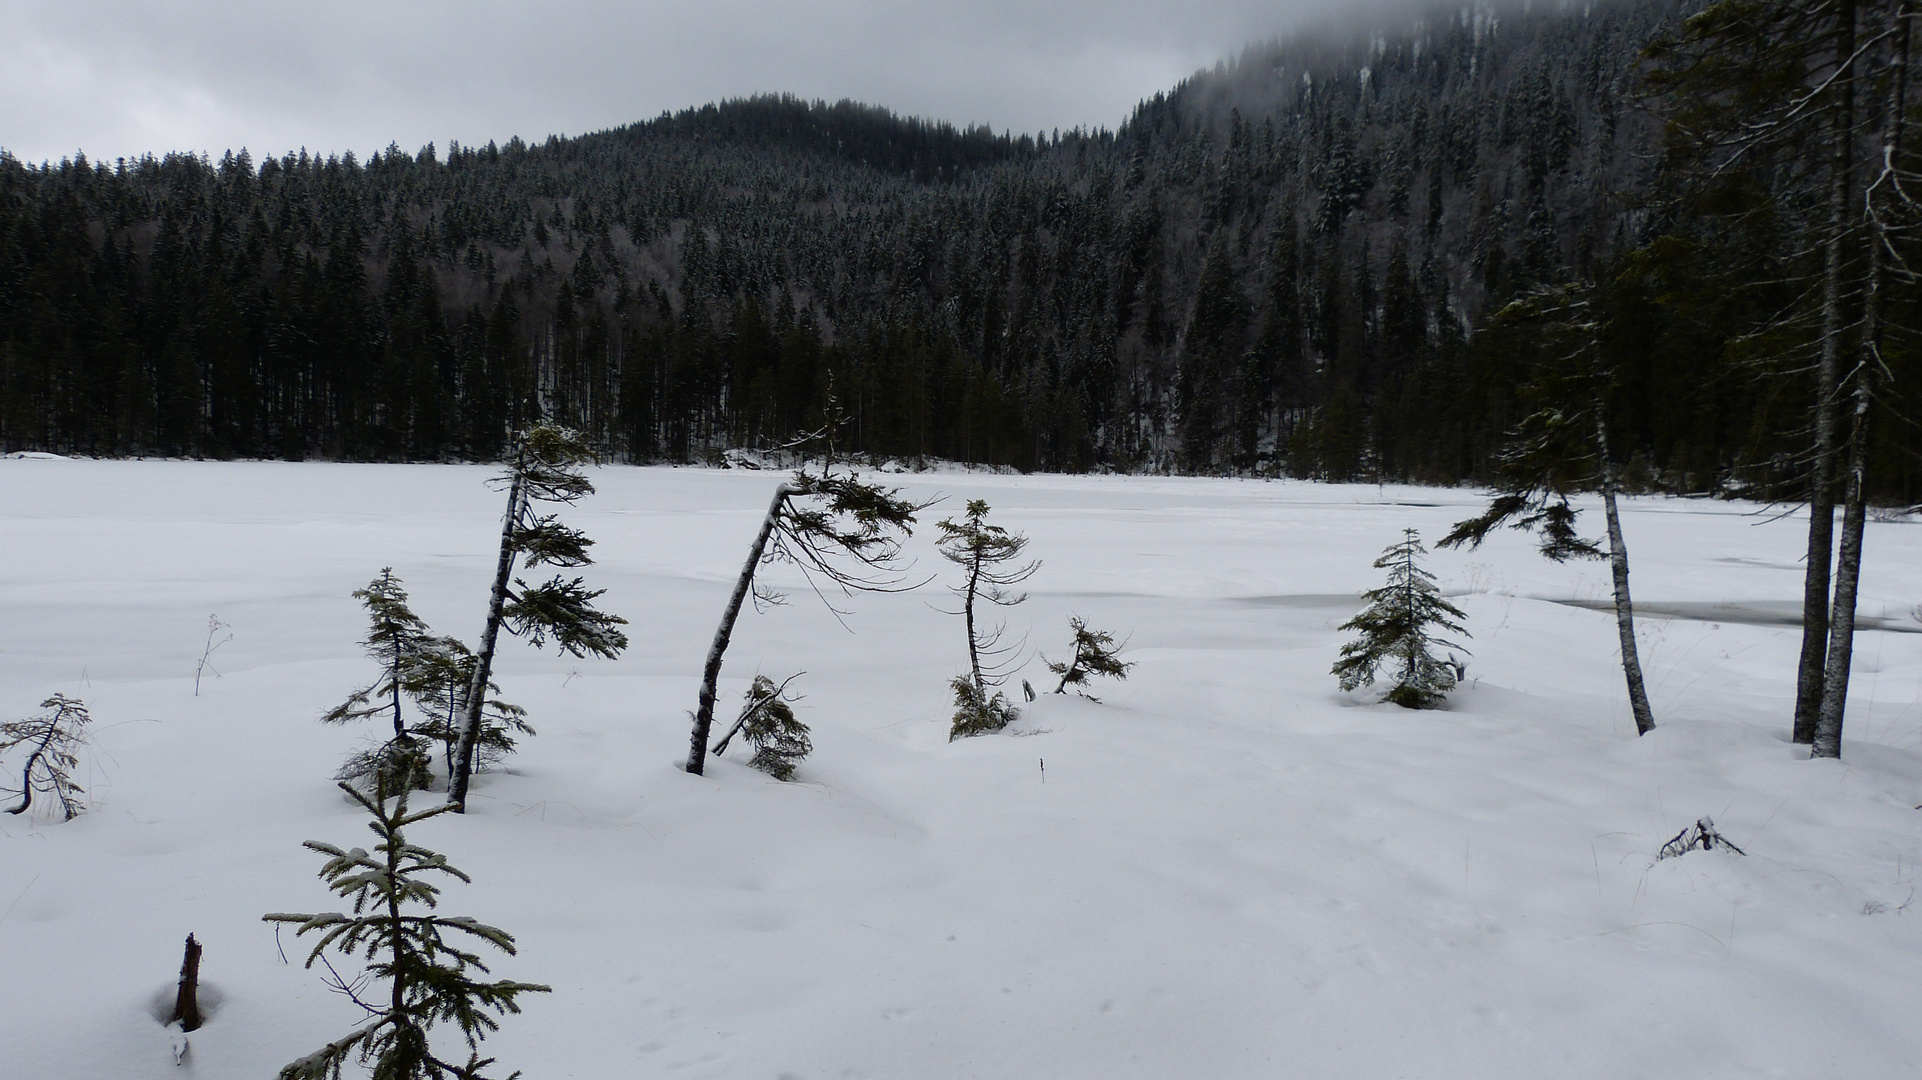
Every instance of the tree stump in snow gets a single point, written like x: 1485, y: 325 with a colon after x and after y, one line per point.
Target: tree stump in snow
x: 187, y: 1001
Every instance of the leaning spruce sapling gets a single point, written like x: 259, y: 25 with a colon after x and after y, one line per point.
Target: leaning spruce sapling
x: 767, y: 721
x: 544, y: 467
x: 1395, y: 632
x: 427, y: 974
x: 53, y: 741
x: 1094, y: 655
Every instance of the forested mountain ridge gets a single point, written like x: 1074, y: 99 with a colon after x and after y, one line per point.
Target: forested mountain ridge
x: 1282, y: 265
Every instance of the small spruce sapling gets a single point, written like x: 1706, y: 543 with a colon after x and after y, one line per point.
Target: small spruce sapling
x: 988, y: 555
x: 977, y: 712
x: 544, y: 467
x: 429, y: 976
x: 1395, y: 632
x: 407, y: 653
x: 441, y: 690
x: 834, y: 528
x: 55, y: 740
x: 1094, y: 655
x: 769, y: 725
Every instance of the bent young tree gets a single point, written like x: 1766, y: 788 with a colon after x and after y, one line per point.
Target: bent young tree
x: 837, y: 530
x: 1560, y: 449
x: 544, y: 467
x: 55, y: 741
x: 1094, y: 655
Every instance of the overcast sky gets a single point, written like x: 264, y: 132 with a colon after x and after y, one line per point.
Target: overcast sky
x: 119, y: 77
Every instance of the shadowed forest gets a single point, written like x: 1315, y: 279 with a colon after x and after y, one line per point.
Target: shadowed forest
x: 1288, y: 265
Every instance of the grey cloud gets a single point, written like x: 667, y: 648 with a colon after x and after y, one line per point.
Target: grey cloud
x: 113, y: 77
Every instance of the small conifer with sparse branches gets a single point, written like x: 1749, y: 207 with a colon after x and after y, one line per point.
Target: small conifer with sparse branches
x: 429, y: 976
x: 767, y: 721
x: 1094, y: 656
x: 54, y: 742
x: 990, y: 557
x: 1395, y: 632
x: 405, y: 650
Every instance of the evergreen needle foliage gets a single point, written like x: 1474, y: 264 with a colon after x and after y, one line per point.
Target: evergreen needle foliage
x: 1395, y: 632
x: 837, y: 529
x: 976, y: 712
x: 429, y: 975
x: 769, y: 725
x: 988, y: 555
x: 544, y: 467
x: 54, y: 742
x: 1094, y: 655
x: 407, y: 654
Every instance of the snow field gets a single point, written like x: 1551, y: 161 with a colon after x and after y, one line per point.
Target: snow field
x: 1227, y: 870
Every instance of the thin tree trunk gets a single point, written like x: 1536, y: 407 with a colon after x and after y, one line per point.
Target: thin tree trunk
x: 974, y: 654
x: 1809, y: 689
x: 400, y: 732
x: 476, y: 700
x: 1624, y: 607
x: 26, y: 774
x: 1848, y: 570
x: 711, y: 674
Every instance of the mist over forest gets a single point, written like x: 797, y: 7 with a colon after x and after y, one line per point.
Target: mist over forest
x: 1290, y: 264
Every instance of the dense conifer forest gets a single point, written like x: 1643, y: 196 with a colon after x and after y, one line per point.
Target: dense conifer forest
x: 1288, y: 265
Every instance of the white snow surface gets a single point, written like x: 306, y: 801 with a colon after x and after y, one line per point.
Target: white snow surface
x: 1227, y: 869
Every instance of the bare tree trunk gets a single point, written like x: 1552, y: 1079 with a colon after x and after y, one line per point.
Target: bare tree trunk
x: 26, y: 774
x: 1624, y: 607
x: 1869, y: 366
x: 1848, y: 571
x: 1815, y: 582
x: 476, y: 700
x: 187, y: 998
x: 711, y: 674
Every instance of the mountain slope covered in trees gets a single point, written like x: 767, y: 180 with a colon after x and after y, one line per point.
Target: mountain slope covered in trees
x: 1282, y: 265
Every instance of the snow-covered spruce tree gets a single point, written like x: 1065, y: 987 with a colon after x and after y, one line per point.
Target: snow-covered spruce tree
x: 543, y: 467
x: 1094, y: 655
x: 428, y: 975
x: 407, y: 652
x: 987, y: 555
x: 1560, y: 448
x: 769, y: 725
x: 1395, y: 632
x: 53, y: 744
x: 835, y: 528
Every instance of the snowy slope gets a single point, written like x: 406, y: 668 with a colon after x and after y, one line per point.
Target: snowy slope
x: 1227, y: 870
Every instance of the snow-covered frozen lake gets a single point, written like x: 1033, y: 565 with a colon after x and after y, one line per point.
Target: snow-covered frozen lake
x: 1229, y: 869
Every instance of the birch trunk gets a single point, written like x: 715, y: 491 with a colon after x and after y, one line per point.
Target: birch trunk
x: 1815, y: 582
x: 476, y: 699
x: 1624, y: 607
x: 711, y: 674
